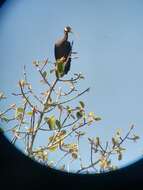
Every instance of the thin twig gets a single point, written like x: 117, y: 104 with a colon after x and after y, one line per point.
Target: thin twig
x: 41, y: 116
x: 87, y: 167
x: 1, y: 114
x: 74, y: 97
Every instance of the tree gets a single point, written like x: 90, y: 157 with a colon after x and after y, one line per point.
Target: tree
x: 51, y: 114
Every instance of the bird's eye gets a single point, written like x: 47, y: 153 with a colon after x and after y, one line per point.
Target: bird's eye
x: 66, y: 29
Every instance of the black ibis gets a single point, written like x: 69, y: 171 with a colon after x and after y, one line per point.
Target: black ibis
x: 63, y: 50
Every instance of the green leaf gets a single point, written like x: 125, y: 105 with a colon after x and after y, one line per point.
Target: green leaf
x: 46, y: 119
x: 58, y: 124
x: 4, y: 118
x: 79, y: 114
x: 81, y: 104
x: 74, y: 155
x: 120, y: 156
x: 97, y: 118
x: 81, y: 133
x: 30, y: 113
x: 25, y: 123
x: 97, y: 141
x: 78, y: 108
x: 51, y: 71
x: 136, y: 137
x: 54, y: 148
x: 20, y: 110
x: 69, y: 110
x: 82, y: 77
x: 121, y: 149
x: 1, y: 130
x: 60, y: 66
x: 44, y: 74
x: 2, y: 96
x: 35, y: 63
x: 51, y: 122
x: 114, y: 141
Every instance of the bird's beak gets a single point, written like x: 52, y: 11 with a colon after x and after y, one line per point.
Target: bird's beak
x: 76, y: 34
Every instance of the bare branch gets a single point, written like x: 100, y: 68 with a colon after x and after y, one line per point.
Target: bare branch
x: 78, y: 95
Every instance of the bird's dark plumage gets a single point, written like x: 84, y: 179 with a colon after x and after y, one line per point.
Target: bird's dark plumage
x: 63, y: 48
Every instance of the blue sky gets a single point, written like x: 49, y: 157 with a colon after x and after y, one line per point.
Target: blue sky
x: 109, y: 45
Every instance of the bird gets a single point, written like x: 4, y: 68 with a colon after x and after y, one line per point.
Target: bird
x: 63, y: 50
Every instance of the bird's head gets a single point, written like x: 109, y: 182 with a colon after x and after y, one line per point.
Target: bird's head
x: 68, y: 29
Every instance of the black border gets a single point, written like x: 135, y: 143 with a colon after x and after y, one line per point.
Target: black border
x: 19, y: 171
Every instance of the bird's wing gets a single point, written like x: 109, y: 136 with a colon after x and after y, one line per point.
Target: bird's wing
x: 62, y: 49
